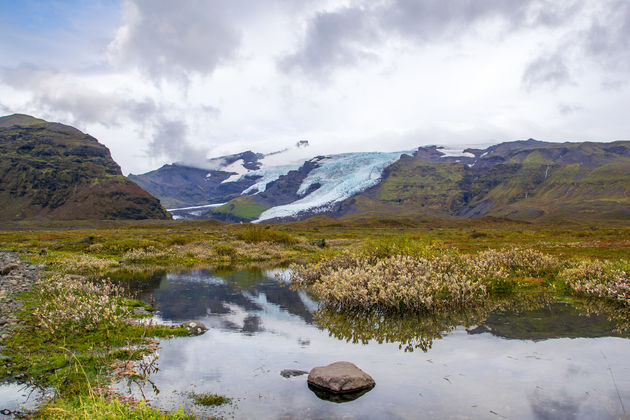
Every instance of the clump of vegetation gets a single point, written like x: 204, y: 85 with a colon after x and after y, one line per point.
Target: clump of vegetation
x: 599, y: 279
x: 209, y: 399
x: 225, y: 250
x: 257, y: 233
x: 428, y: 283
x: 72, y: 304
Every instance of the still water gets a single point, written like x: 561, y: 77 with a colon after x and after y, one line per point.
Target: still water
x: 533, y: 358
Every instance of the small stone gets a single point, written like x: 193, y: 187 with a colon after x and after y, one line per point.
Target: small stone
x: 139, y: 310
x: 319, y: 243
x: 8, y: 268
x: 289, y: 373
x: 340, y: 377
x: 195, y: 327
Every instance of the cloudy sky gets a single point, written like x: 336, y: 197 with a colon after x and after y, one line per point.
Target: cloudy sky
x: 162, y: 81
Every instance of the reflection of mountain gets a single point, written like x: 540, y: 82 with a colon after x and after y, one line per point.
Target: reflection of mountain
x: 555, y: 320
x: 197, y: 294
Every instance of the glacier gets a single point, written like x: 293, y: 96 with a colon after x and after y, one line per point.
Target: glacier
x: 268, y: 175
x: 340, y: 177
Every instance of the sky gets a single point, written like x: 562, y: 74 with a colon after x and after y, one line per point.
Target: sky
x: 163, y: 81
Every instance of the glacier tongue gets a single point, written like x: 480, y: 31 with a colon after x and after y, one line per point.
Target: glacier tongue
x: 268, y: 175
x: 340, y: 177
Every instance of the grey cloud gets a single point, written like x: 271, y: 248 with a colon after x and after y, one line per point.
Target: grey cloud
x: 210, y: 111
x: 170, y: 139
x: 608, y: 37
x: 429, y: 19
x: 550, y: 71
x: 604, y: 41
x: 343, y: 37
x: 172, y: 39
x: 334, y: 39
x: 56, y: 94
x: 567, y: 109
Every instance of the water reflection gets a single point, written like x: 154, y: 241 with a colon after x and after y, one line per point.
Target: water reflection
x: 322, y: 394
x: 259, y: 327
x: 525, y: 317
x: 200, y: 293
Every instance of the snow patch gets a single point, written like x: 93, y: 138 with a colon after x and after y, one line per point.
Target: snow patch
x: 205, y: 206
x: 340, y: 177
x: 268, y: 175
x: 454, y: 152
x: 237, y: 169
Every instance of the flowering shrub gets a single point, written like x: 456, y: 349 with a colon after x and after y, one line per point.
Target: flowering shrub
x: 84, y: 264
x: 521, y: 261
x: 69, y: 303
x: 426, y: 281
x: 598, y: 278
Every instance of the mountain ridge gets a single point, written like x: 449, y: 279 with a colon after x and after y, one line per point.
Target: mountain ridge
x: 55, y: 171
x: 525, y: 180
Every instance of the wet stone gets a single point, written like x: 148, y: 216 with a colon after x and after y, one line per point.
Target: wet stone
x: 195, y: 327
x: 340, y: 377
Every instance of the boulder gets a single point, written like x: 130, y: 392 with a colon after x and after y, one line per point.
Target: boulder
x: 340, y: 377
x: 195, y: 327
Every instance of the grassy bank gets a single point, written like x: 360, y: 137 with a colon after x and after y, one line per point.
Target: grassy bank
x: 76, y: 337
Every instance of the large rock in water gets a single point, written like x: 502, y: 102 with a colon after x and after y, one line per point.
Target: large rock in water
x: 340, y: 377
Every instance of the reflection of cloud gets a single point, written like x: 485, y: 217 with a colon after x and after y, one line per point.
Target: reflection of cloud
x: 554, y: 407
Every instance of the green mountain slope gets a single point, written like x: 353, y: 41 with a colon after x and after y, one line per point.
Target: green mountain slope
x: 55, y: 171
x: 529, y: 181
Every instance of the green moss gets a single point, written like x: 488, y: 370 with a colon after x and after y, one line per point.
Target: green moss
x: 257, y: 234
x: 243, y: 207
x: 210, y: 399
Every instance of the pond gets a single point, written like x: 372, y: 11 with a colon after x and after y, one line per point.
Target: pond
x: 534, y: 357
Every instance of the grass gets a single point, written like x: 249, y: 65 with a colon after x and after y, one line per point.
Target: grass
x: 209, y: 399
x: 74, y: 360
x: 242, y: 207
x: 92, y: 407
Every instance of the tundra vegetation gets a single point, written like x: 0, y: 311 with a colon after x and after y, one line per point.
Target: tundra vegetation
x: 79, y: 332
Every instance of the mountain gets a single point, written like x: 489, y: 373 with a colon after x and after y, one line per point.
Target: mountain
x: 523, y: 180
x: 527, y: 180
x: 55, y: 171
